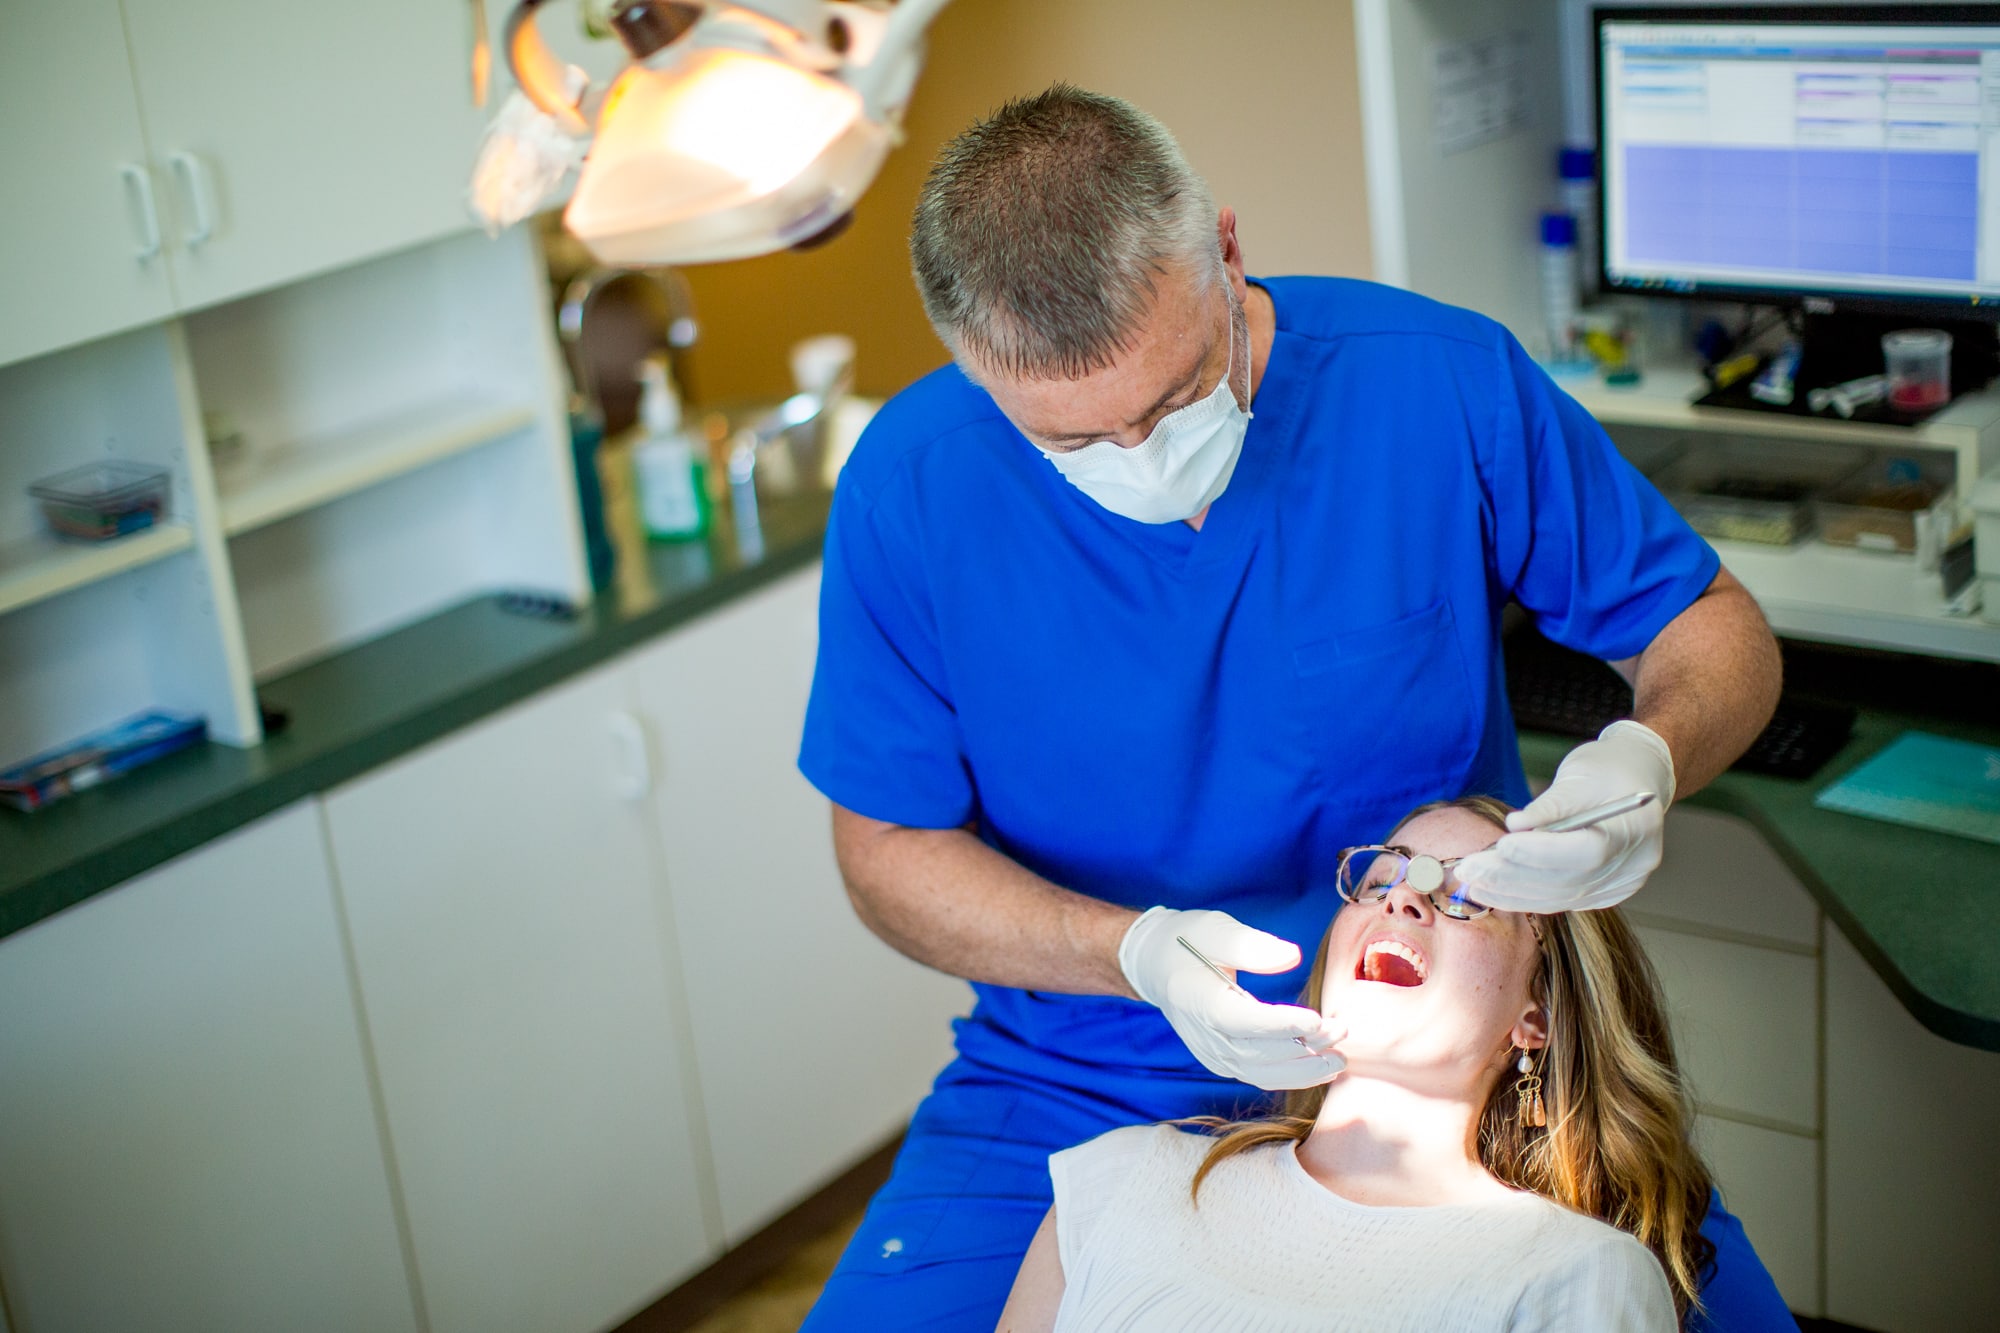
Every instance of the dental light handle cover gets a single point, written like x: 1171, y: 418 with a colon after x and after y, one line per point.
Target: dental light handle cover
x: 1624, y: 805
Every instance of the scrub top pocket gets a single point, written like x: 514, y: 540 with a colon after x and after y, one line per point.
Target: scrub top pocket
x: 1386, y: 711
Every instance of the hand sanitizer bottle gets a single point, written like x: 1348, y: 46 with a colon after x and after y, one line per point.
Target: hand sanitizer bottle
x: 667, y: 465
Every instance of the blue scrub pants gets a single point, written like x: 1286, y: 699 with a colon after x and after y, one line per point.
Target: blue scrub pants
x: 942, y: 1240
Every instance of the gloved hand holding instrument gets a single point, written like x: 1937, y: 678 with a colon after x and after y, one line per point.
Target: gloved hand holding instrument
x: 1174, y: 961
x: 1538, y: 867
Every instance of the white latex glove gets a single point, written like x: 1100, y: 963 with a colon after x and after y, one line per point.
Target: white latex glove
x: 1591, y: 867
x: 1272, y: 1046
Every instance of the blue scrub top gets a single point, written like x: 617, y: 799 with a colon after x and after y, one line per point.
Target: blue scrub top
x: 1150, y: 714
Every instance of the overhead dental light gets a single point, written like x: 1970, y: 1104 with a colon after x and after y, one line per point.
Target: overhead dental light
x: 737, y: 129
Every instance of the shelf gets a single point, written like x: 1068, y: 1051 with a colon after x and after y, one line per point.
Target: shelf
x: 272, y: 484
x: 1665, y: 398
x: 42, y: 567
x: 1835, y: 595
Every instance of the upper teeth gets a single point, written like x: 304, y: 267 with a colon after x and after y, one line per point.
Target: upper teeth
x: 1402, y: 951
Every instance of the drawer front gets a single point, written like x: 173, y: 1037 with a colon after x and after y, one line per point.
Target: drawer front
x: 1719, y: 873
x: 1770, y: 1180
x: 1746, y: 1025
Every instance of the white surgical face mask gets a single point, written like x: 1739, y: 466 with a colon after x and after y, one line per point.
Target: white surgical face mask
x: 1181, y: 466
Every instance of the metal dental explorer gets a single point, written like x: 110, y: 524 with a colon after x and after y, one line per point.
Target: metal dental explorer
x: 1227, y: 980
x: 1624, y: 805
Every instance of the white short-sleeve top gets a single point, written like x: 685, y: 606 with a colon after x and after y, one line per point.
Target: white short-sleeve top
x: 1271, y: 1250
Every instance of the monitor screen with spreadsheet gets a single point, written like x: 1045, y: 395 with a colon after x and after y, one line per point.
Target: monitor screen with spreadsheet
x: 1849, y: 153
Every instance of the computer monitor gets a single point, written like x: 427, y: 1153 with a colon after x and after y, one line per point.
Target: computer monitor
x: 1832, y: 156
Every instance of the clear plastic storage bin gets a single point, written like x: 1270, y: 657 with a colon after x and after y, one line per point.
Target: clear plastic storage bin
x: 1879, y: 507
x: 1754, y: 491
x: 100, y: 501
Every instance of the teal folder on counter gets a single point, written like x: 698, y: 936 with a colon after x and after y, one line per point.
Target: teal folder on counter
x: 1927, y: 782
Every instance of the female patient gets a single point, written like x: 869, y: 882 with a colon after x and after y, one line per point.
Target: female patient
x: 1507, y: 1149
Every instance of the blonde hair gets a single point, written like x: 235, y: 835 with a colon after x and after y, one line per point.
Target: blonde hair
x: 1616, y: 1146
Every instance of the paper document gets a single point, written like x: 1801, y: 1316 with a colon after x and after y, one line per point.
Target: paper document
x: 1927, y: 782
x: 1478, y: 91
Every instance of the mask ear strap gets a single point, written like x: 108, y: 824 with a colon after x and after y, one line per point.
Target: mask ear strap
x: 1230, y: 373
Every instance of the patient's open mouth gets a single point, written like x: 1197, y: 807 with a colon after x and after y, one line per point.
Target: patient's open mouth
x: 1393, y: 963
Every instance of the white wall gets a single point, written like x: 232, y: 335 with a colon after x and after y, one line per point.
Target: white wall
x: 1461, y: 225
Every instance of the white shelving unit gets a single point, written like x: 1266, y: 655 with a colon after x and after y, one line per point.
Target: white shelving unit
x: 291, y: 479
x: 37, y: 568
x: 1812, y: 590
x: 405, y: 443
x: 405, y: 448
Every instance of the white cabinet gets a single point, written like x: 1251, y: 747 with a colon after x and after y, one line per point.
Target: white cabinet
x: 1745, y: 1023
x: 81, y: 237
x: 1770, y: 1180
x: 815, y: 1040
x: 301, y: 137
x: 513, y: 956
x: 1912, y: 1163
x: 168, y: 155
x: 189, y: 1142
x: 1734, y: 938
x: 1720, y: 876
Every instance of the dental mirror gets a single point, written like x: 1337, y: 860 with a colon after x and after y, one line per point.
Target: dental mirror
x: 1425, y: 875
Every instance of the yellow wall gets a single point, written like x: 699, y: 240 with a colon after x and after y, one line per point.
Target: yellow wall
x: 1262, y: 97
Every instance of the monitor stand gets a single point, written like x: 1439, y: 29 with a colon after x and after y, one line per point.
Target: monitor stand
x: 1843, y: 346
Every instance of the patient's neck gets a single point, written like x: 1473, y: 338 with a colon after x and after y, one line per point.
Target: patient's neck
x: 1381, y: 1143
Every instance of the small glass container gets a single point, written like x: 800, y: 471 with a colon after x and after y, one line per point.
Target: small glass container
x: 1918, y: 364
x: 100, y: 501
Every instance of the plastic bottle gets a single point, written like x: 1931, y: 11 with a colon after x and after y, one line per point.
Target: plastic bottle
x: 1559, y: 302
x: 666, y: 465
x: 1577, y: 168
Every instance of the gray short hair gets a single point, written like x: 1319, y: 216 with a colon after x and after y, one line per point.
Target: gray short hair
x: 1040, y: 230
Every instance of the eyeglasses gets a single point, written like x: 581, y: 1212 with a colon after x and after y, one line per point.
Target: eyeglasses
x: 1367, y: 874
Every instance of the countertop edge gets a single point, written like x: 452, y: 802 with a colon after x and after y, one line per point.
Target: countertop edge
x: 187, y: 829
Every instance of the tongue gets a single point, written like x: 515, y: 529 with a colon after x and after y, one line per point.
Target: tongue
x: 1391, y: 969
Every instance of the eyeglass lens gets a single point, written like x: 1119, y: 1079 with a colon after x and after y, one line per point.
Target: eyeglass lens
x: 1367, y: 874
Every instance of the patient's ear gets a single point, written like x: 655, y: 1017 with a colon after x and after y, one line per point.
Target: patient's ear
x: 1531, y: 1030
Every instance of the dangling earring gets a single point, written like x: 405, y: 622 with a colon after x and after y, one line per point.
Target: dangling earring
x: 1529, y: 1088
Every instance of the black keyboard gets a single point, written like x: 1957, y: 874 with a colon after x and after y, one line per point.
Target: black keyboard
x: 1554, y: 689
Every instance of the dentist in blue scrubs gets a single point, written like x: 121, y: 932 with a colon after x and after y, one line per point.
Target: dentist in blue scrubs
x: 1174, y: 584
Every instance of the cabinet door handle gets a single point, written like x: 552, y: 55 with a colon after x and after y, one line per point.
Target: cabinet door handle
x: 631, y: 757
x: 199, y: 185
x: 139, y: 188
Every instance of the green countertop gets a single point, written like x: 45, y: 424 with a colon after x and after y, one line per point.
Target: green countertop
x: 367, y: 706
